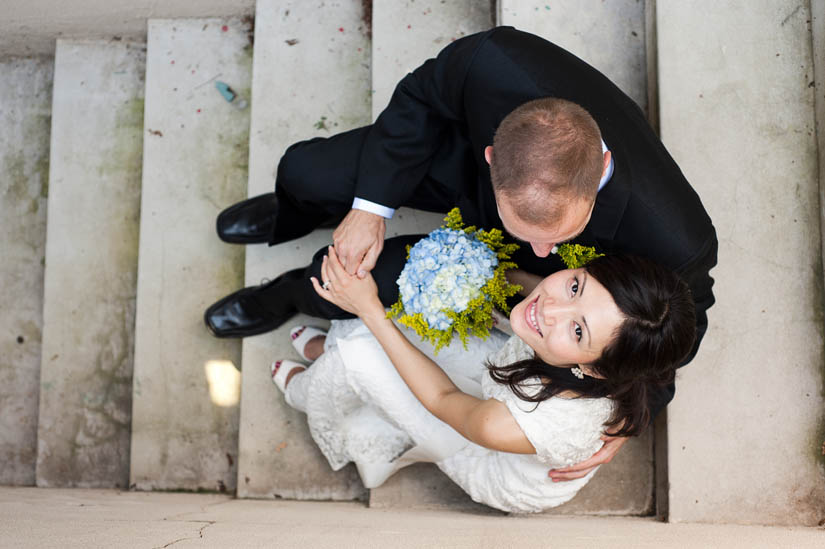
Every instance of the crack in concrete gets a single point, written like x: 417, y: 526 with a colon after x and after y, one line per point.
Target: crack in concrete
x: 206, y: 523
x: 203, y: 508
x: 794, y: 12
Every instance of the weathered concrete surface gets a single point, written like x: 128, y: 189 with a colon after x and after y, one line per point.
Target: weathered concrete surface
x: 311, y: 78
x: 185, y: 420
x: 818, y: 31
x: 94, y: 518
x: 25, y: 123
x: 29, y: 27
x: 746, y: 428
x: 91, y: 258
x: 424, y: 486
x: 608, y: 35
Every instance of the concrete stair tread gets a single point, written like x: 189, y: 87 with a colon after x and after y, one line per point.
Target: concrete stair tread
x: 739, y: 113
x: 186, y: 383
x: 88, y: 316
x: 25, y: 115
x: 311, y: 78
x: 608, y: 35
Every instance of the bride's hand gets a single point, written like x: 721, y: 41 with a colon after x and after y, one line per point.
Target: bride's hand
x: 358, y: 296
x: 608, y: 451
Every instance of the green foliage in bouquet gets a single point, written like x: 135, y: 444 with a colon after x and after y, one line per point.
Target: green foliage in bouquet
x: 576, y: 255
x: 477, y: 318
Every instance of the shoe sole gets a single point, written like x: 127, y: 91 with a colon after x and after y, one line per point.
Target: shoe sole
x: 240, y: 334
x: 243, y: 239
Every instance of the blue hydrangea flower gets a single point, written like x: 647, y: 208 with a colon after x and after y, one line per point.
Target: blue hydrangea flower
x: 445, y: 271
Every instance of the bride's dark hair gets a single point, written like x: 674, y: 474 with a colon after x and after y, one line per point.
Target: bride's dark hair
x: 657, y: 333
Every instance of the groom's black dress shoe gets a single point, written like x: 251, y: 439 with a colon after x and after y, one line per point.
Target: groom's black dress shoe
x: 250, y: 221
x: 256, y: 309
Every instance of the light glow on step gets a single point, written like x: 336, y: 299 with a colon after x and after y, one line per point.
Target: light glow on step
x: 224, y: 382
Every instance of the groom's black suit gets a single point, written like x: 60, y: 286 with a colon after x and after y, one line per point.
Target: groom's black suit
x: 426, y: 150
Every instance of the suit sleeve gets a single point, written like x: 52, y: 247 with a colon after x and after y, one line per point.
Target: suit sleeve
x: 697, y: 275
x: 400, y: 145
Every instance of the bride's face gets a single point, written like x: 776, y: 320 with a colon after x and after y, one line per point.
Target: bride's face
x: 568, y: 319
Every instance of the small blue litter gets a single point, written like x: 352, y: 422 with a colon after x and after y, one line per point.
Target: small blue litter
x: 230, y: 95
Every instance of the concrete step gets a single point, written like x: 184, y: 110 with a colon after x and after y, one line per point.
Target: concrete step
x: 32, y: 517
x: 608, y: 35
x: 91, y: 258
x: 25, y: 125
x: 311, y: 78
x: 186, y: 385
x: 405, y: 34
x: 746, y: 429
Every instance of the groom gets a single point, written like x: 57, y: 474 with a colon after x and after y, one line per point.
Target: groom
x: 518, y: 133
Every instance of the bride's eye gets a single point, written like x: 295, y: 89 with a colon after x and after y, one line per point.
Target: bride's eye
x: 578, y: 332
x: 575, y: 287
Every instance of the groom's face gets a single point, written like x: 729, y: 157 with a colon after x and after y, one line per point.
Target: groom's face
x: 542, y: 238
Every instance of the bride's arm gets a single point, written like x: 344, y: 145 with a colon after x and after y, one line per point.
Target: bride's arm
x: 485, y: 422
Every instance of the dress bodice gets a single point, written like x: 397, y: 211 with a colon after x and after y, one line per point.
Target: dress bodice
x: 563, y: 431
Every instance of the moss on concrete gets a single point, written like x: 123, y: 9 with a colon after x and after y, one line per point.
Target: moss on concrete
x: 36, y: 133
x: 41, y: 169
x: 25, y: 185
x: 226, y: 182
x: 15, y: 182
x: 126, y: 145
x: 244, y: 57
x: 132, y: 113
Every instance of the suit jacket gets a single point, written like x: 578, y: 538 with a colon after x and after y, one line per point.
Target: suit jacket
x: 443, y: 114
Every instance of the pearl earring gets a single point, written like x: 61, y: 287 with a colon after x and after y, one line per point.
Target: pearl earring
x: 576, y: 371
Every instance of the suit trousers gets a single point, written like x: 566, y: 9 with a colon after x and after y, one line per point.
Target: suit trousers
x: 315, y: 187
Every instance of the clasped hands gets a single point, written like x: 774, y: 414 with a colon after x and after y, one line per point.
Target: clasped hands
x: 358, y: 294
x: 359, y: 240
x: 354, y: 294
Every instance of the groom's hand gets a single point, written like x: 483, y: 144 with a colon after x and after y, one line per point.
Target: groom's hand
x: 359, y: 240
x: 604, y: 455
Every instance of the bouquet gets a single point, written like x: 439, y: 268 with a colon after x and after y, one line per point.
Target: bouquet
x: 452, y: 280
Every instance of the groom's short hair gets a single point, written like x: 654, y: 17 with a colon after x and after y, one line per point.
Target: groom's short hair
x: 546, y: 153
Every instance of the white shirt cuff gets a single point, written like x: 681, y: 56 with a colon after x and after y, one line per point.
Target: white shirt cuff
x: 372, y: 207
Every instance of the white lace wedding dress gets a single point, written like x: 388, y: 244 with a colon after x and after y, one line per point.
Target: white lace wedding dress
x: 360, y: 410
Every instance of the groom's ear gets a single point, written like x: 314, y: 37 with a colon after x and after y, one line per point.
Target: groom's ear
x: 488, y: 154
x: 607, y: 156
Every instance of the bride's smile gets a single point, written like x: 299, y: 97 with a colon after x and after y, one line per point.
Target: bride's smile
x: 530, y: 314
x: 568, y: 318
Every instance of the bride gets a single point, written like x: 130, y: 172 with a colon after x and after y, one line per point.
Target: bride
x: 589, y: 343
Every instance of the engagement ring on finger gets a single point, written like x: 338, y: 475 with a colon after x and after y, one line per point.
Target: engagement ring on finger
x: 326, y: 285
